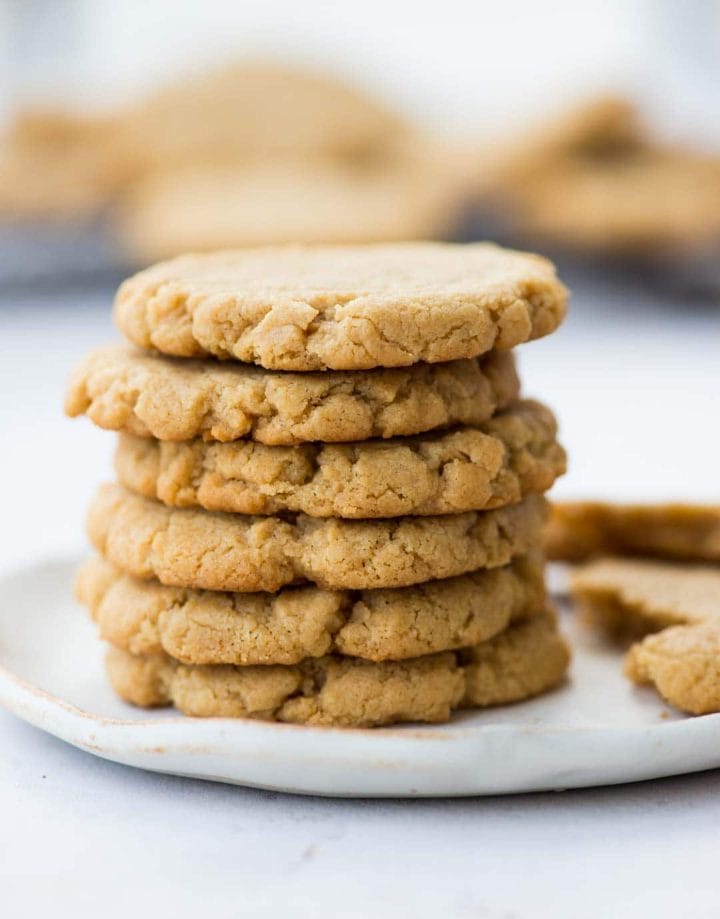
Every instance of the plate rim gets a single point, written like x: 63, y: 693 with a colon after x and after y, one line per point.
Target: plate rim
x: 109, y: 737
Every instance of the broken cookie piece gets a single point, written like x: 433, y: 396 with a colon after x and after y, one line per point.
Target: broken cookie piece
x: 680, y: 604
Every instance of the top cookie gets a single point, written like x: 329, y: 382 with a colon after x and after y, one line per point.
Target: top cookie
x: 344, y: 307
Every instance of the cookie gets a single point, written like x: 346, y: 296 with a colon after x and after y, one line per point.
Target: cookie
x: 514, y: 454
x: 596, y: 130
x: 206, y: 208
x: 122, y: 389
x: 58, y: 165
x: 683, y: 664
x: 681, y: 604
x: 637, y: 596
x: 597, y: 181
x: 342, y: 307
x: 255, y: 110
x: 525, y: 660
x: 212, y: 627
x: 582, y: 529
x: 645, y: 201
x: 216, y: 551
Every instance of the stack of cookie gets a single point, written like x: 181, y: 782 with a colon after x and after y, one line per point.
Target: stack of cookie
x: 329, y: 502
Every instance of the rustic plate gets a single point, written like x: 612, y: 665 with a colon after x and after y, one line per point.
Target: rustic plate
x: 596, y: 730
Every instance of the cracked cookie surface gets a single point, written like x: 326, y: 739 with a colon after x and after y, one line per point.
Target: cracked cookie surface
x: 217, y: 551
x: 514, y: 454
x: 123, y: 389
x: 524, y: 660
x: 343, y: 307
x: 214, y: 627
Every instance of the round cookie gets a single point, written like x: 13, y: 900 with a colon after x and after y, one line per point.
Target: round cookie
x: 514, y: 454
x: 216, y: 551
x: 55, y: 165
x: 206, y: 208
x: 525, y: 660
x: 650, y: 201
x: 213, y: 627
x: 259, y: 111
x: 122, y: 389
x: 343, y: 307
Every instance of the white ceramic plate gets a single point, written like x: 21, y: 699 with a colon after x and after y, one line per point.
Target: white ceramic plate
x: 596, y: 730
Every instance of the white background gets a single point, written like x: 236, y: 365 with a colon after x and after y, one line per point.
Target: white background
x: 472, y: 66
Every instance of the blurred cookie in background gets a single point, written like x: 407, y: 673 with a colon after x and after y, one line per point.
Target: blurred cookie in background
x: 638, y: 202
x: 59, y: 174
x: 60, y: 165
x: 596, y: 183
x: 596, y: 130
x: 253, y: 110
x: 249, y: 153
x: 63, y: 164
x: 205, y: 208
x: 258, y: 153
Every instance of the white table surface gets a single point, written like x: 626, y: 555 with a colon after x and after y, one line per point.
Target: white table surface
x: 636, y: 389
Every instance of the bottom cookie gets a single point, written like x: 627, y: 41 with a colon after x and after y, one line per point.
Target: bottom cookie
x: 525, y: 660
x: 680, y: 604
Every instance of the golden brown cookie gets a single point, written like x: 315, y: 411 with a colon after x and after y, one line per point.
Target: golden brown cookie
x: 58, y: 165
x: 683, y: 664
x: 578, y: 530
x: 596, y: 130
x: 637, y: 596
x: 512, y: 455
x: 596, y: 180
x: 343, y: 307
x: 255, y: 110
x: 213, y: 627
x: 122, y: 389
x: 650, y: 200
x: 216, y: 551
x: 525, y: 660
x: 206, y: 208
x: 634, y: 597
